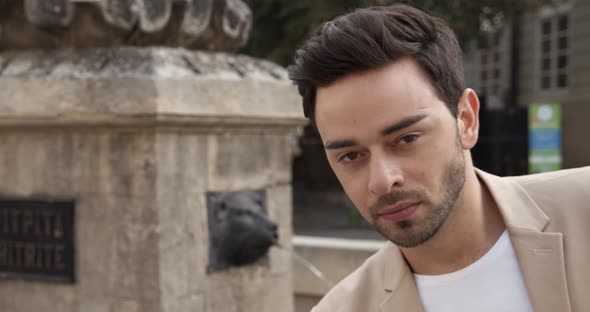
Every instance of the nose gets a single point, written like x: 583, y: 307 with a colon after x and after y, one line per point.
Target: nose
x: 384, y: 175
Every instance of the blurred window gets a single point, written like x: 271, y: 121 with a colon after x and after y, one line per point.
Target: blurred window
x: 554, y: 46
x: 491, y: 64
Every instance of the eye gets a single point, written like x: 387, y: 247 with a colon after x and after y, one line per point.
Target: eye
x: 408, y: 139
x: 348, y: 157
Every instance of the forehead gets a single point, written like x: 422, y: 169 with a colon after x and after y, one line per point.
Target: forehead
x: 373, y: 99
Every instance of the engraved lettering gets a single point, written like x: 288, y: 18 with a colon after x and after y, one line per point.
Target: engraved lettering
x: 47, y: 256
x: 27, y: 221
x: 39, y: 258
x: 9, y: 257
x: 29, y: 256
x: 5, y: 221
x: 58, y: 228
x: 18, y: 255
x: 15, y: 227
x: 47, y: 225
x: 37, y: 222
x: 59, y: 258
x: 35, y: 238
x: 3, y: 253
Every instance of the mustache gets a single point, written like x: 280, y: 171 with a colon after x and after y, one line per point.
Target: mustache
x: 396, y: 196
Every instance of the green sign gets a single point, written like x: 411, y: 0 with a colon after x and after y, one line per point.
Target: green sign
x: 544, y: 137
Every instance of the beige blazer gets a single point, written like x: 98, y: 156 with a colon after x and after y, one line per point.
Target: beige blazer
x: 548, y: 219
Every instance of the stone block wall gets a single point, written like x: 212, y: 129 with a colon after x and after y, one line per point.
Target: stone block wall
x: 230, y: 162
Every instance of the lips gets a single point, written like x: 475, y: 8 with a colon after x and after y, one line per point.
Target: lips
x: 399, y: 212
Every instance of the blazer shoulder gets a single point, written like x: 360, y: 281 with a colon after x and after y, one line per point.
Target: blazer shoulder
x: 567, y: 182
x: 564, y: 175
x: 359, y: 291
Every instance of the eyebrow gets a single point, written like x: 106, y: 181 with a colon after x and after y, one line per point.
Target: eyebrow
x: 340, y: 144
x: 402, y: 124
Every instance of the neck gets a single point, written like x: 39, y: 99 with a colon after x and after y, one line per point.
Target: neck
x: 471, y: 229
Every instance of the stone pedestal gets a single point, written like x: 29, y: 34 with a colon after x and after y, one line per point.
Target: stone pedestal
x: 137, y: 137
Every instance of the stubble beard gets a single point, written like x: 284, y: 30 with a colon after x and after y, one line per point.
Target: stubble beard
x: 411, y: 233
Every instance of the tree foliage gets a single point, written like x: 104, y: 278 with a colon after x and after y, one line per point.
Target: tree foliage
x: 281, y: 26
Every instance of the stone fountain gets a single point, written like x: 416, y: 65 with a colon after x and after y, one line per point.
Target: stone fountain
x: 129, y: 139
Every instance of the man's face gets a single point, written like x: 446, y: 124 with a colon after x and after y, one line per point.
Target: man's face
x: 395, y: 148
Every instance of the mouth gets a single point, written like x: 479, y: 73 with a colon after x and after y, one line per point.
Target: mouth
x: 399, y: 212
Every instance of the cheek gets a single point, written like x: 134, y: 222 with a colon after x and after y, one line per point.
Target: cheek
x: 355, y: 187
x: 358, y: 193
x: 424, y: 168
x: 433, y: 164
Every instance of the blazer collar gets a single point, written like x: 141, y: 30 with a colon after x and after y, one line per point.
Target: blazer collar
x: 517, y: 208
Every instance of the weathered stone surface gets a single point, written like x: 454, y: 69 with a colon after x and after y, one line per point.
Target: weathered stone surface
x: 183, y: 277
x: 256, y: 164
x: 184, y: 161
x: 174, y: 271
x: 279, y: 198
x: 188, y: 303
x: 265, y: 294
x: 96, y: 227
x: 24, y: 158
x: 115, y: 163
x: 281, y: 157
x: 128, y: 305
x: 255, y: 287
x: 15, y: 296
x: 182, y: 218
x: 191, y: 302
x: 98, y: 162
x: 136, y: 253
x: 93, y: 303
x: 250, y: 165
x: 197, y: 24
x: 222, y: 300
x: 182, y: 247
x: 150, y: 85
x: 49, y: 12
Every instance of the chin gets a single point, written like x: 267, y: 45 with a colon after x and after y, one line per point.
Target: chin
x: 406, y: 233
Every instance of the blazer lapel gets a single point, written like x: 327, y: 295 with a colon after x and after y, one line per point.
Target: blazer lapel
x: 540, y: 254
x: 404, y: 298
x: 542, y: 265
x: 398, y: 283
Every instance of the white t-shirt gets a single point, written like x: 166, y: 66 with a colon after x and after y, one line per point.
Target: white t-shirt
x: 492, y: 283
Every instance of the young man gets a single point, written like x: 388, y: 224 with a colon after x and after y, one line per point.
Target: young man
x: 384, y: 88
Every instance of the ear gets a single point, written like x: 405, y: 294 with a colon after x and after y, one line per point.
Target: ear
x: 468, y: 118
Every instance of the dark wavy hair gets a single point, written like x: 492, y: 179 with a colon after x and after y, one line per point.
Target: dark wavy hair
x: 374, y: 37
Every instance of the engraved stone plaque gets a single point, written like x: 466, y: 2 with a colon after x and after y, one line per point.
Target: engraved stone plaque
x: 37, y: 239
